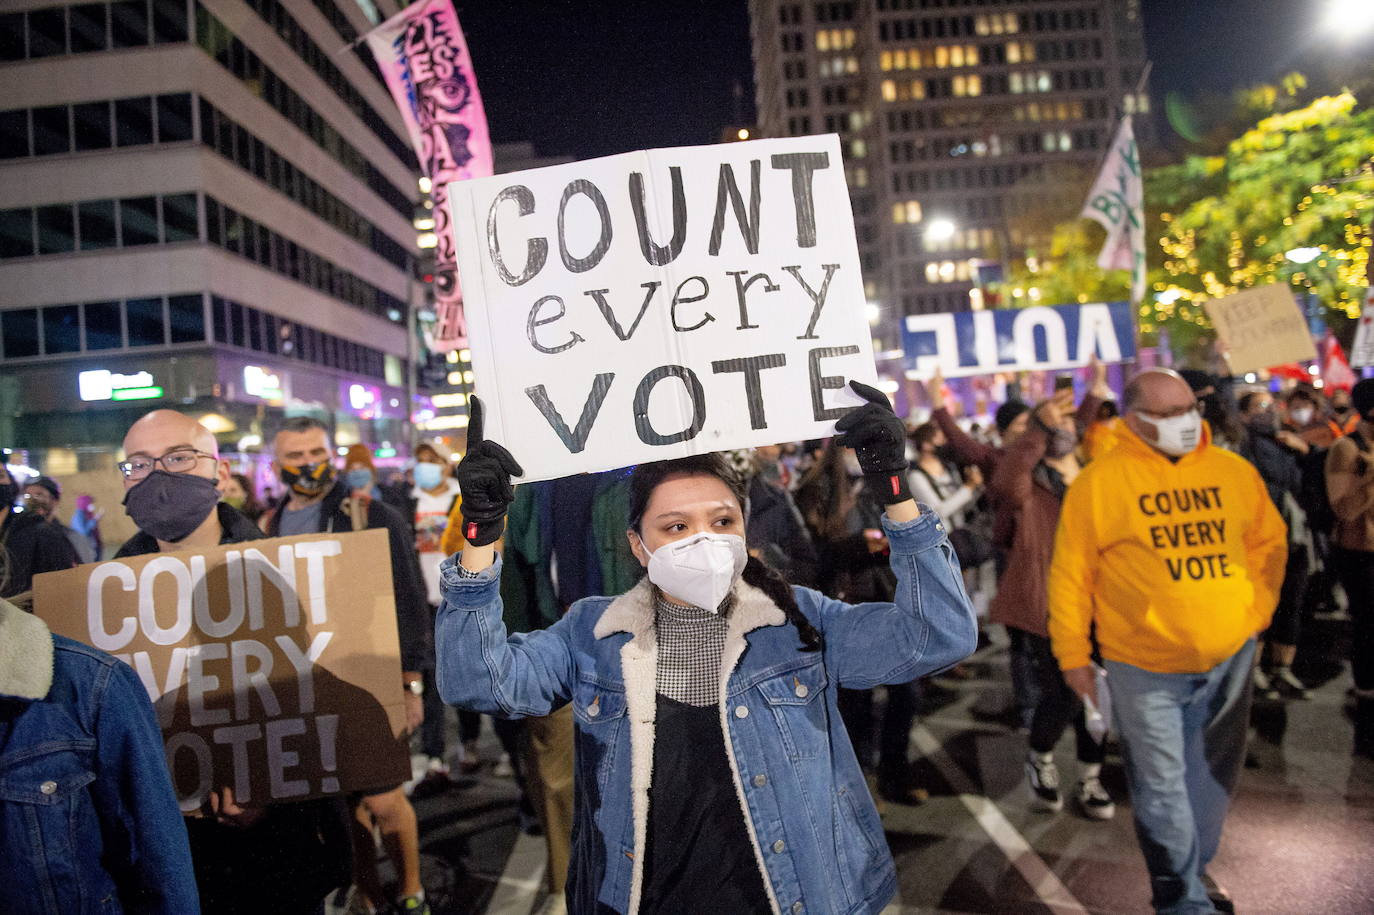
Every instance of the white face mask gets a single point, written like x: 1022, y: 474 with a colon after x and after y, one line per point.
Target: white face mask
x: 1178, y: 435
x: 700, y: 570
x: 1301, y: 416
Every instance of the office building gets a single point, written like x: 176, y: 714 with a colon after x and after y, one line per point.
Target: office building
x: 969, y: 127
x: 202, y: 206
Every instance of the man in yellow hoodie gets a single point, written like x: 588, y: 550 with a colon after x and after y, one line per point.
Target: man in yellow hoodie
x: 1174, y: 551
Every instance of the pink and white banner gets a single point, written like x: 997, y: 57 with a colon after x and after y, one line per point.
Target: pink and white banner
x: 424, y: 58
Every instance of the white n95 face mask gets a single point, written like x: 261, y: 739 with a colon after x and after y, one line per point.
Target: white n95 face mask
x: 700, y: 570
x: 1178, y: 435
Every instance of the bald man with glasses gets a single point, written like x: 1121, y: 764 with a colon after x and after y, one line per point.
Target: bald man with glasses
x: 278, y: 858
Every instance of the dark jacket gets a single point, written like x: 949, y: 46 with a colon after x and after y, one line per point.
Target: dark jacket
x: 412, y: 605
x: 290, y: 859
x: 31, y: 546
x: 1278, y: 466
x: 1026, y: 497
x: 88, y: 818
x: 776, y: 529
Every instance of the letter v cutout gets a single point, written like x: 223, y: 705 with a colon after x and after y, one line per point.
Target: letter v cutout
x: 576, y: 439
x: 600, y: 296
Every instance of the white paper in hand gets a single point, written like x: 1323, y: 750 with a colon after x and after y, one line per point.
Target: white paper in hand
x: 1098, y: 714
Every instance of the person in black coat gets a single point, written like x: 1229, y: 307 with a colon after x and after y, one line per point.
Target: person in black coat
x: 283, y: 857
x: 775, y: 526
x: 317, y: 502
x: 29, y: 545
x: 1277, y: 454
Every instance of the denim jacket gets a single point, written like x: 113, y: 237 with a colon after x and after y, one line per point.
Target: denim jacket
x: 815, y: 832
x: 88, y: 819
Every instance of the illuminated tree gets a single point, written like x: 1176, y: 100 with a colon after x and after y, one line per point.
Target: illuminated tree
x: 1302, y: 177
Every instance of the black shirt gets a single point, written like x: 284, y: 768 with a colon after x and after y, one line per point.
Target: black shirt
x: 699, y: 857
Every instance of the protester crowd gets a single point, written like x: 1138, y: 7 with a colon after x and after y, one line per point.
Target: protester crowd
x: 1170, y: 542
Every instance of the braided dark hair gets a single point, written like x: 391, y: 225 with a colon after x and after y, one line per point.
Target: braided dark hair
x: 646, y: 478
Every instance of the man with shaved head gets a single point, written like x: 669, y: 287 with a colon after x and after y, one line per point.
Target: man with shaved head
x: 1169, y: 555
x: 280, y: 858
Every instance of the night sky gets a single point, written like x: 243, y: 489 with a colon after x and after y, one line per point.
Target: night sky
x: 586, y: 78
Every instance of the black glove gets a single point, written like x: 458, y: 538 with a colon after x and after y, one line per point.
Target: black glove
x: 878, y: 438
x: 484, y: 475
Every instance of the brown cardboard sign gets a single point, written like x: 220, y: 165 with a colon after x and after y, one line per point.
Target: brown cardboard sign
x: 1261, y: 328
x: 273, y: 664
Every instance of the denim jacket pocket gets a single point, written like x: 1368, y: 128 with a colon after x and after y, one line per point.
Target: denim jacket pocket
x: 796, y: 698
x: 600, y: 713
x: 48, y: 823
x: 859, y: 853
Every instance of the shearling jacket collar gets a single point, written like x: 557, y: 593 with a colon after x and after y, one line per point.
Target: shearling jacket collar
x: 633, y: 613
x: 26, y: 654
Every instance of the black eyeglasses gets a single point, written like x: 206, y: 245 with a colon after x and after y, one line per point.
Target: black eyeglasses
x: 180, y: 460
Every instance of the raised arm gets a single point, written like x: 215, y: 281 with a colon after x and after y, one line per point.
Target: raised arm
x: 930, y: 625
x: 968, y: 449
x: 479, y: 666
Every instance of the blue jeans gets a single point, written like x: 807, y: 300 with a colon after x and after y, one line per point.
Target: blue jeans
x: 1183, y: 740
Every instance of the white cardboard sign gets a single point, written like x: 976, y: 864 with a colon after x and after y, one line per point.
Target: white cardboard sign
x: 657, y: 304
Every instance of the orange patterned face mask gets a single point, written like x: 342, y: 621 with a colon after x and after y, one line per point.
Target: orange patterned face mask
x: 308, y: 479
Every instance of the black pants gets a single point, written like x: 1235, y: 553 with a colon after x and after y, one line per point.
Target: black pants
x: 1056, y: 705
x: 1286, y: 625
x: 432, y: 728
x: 1356, y: 571
x: 894, y: 734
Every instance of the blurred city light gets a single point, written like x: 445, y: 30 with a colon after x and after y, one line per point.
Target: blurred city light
x: 938, y: 230
x: 1348, y: 18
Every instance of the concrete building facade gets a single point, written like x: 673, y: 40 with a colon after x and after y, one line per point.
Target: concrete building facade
x: 969, y: 127
x: 203, y: 205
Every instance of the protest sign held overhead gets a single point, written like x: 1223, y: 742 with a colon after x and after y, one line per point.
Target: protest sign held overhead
x: 664, y: 303
x: 273, y: 665
x: 1261, y: 328
x: 423, y: 55
x: 1042, y: 338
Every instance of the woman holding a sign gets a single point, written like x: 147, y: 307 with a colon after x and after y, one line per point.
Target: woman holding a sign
x: 712, y: 763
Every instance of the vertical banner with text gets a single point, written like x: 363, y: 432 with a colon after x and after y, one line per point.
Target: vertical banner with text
x: 273, y: 664
x: 424, y: 58
x: 657, y: 304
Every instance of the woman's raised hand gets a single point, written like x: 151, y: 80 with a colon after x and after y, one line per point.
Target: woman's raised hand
x: 878, y: 438
x: 484, y: 475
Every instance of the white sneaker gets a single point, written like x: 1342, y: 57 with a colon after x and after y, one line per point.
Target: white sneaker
x: 1287, y: 685
x: 1044, y: 784
x: 1093, y: 800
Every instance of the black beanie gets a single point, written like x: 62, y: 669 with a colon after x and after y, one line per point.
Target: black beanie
x: 1362, y: 397
x: 1007, y: 413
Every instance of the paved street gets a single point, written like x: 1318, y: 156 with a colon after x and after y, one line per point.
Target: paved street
x: 1297, y: 840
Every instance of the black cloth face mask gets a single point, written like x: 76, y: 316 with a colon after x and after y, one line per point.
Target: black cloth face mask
x: 308, y: 479
x: 169, y: 506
